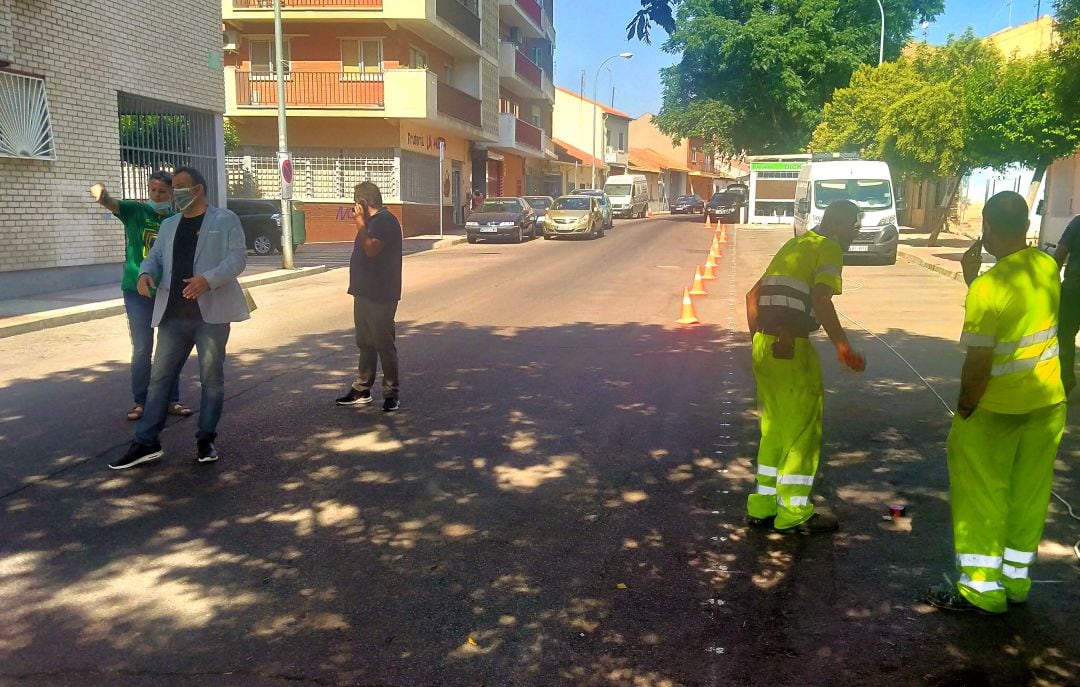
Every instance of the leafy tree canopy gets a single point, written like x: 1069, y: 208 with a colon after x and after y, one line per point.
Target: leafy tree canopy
x: 769, y: 66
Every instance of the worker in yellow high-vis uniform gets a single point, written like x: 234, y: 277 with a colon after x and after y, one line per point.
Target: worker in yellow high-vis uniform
x: 1009, y: 418
x: 782, y: 310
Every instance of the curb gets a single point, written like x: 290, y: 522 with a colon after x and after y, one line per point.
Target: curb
x: 448, y: 242
x: 49, y: 319
x: 933, y: 267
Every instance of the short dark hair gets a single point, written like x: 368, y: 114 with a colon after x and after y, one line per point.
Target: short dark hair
x: 1006, y: 214
x: 830, y: 221
x: 196, y: 176
x: 162, y: 176
x: 369, y: 193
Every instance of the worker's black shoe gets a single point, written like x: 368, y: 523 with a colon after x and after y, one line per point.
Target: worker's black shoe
x: 948, y: 598
x: 760, y: 522
x: 819, y: 523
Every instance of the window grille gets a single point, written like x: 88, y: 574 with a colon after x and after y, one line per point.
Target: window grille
x: 777, y: 175
x: 316, y: 174
x: 156, y: 135
x: 25, y: 124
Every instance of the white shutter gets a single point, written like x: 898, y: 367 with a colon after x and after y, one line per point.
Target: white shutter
x: 25, y: 125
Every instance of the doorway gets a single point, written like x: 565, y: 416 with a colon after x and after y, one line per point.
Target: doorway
x: 455, y: 193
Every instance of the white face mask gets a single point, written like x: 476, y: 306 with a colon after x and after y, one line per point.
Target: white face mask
x: 183, y: 197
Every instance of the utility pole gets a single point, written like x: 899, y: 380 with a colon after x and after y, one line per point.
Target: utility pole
x: 284, y: 160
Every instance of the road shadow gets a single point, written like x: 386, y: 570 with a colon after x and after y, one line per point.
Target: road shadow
x: 554, y: 506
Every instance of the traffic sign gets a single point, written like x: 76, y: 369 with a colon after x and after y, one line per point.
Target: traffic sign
x: 286, y: 167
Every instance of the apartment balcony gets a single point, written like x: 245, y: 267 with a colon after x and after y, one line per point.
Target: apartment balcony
x: 618, y: 158
x: 521, y: 76
x: 390, y: 94
x: 460, y: 105
x: 529, y: 16
x: 453, y: 25
x: 523, y: 138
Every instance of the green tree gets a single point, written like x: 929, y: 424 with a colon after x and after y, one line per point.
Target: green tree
x: 945, y: 111
x: 767, y: 67
x: 232, y: 137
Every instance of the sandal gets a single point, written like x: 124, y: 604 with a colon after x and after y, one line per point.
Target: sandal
x: 135, y: 413
x: 179, y: 409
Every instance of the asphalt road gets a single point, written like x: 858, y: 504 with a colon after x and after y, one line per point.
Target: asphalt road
x: 559, y: 502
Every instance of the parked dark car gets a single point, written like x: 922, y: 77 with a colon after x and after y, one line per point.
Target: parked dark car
x: 539, y: 205
x: 687, y: 205
x: 261, y: 220
x: 501, y: 218
x: 724, y: 207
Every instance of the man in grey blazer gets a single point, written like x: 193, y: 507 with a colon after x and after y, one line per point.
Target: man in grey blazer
x: 194, y: 265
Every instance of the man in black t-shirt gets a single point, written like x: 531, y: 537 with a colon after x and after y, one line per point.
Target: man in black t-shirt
x: 1069, y: 314
x: 375, y: 285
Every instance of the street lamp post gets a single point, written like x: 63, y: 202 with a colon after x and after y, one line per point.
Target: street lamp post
x: 881, y: 49
x: 283, y: 146
x: 596, y: 81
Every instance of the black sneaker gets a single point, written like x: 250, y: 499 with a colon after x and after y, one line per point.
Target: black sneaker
x: 948, y: 598
x: 355, y: 398
x: 205, y: 451
x: 390, y: 405
x: 137, y: 454
x: 819, y: 523
x: 760, y: 522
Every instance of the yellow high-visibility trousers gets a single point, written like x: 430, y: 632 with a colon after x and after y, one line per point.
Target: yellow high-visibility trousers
x: 790, y: 397
x: 1001, y: 469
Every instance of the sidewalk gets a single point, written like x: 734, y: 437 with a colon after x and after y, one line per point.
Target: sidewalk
x: 943, y: 258
x: 59, y: 308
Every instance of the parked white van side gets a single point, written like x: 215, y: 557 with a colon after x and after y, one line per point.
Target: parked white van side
x: 629, y: 194
x: 868, y: 184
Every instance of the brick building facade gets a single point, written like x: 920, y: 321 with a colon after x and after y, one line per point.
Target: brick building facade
x: 97, y: 58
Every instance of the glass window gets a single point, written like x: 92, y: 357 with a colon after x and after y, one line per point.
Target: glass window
x: 417, y: 59
x: 617, y: 189
x: 538, y: 203
x: 868, y: 194
x: 261, y: 55
x: 359, y: 55
x: 500, y: 206
x: 572, y: 204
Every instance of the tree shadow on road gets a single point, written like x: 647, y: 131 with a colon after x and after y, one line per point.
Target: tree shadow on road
x: 554, y: 505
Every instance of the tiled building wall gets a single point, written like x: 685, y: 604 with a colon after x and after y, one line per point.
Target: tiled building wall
x: 88, y: 52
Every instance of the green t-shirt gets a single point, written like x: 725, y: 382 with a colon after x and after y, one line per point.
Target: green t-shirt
x: 141, y: 225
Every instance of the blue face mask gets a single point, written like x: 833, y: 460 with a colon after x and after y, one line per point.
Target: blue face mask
x: 160, y: 207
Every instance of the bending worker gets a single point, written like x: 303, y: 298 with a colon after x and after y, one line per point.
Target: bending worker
x: 782, y: 310
x: 1009, y: 418
x: 1069, y: 313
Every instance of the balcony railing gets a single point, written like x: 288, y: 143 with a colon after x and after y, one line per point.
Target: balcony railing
x: 527, y: 69
x: 462, y: 15
x: 533, y: 10
x: 308, y: 4
x: 460, y: 105
x: 528, y: 135
x: 311, y: 89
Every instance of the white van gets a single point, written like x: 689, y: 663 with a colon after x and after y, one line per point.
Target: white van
x: 868, y: 184
x: 629, y: 194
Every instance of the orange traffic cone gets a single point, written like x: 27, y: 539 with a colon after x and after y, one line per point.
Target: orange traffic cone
x: 688, y: 315
x: 708, y: 222
x: 723, y: 236
x: 698, y: 289
x: 715, y: 246
x: 714, y: 253
x: 710, y: 262
x: 710, y: 271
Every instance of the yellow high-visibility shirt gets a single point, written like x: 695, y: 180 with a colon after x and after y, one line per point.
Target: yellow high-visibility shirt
x: 1013, y: 308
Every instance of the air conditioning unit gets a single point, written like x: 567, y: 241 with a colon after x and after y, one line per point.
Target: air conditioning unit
x: 515, y: 35
x: 230, y: 41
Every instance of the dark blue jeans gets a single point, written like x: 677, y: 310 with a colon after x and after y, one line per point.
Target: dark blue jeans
x: 140, y: 314
x: 176, y: 337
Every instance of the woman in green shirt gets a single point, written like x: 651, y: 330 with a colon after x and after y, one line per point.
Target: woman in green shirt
x: 141, y: 222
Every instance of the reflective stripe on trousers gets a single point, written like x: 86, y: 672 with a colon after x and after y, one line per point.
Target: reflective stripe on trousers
x: 790, y: 398
x: 1000, y: 473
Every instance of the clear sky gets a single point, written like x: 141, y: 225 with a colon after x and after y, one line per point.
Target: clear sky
x: 591, y: 30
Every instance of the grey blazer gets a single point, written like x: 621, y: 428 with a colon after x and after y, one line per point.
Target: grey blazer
x: 220, y: 256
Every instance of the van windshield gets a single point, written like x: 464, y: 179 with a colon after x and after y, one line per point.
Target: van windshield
x: 868, y: 194
x: 618, y: 189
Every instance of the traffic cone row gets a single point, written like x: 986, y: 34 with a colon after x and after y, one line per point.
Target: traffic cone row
x: 716, y: 251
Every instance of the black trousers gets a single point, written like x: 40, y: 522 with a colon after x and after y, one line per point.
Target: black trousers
x: 375, y: 336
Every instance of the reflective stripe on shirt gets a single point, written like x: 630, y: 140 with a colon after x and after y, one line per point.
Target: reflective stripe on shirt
x: 789, y: 282
x: 785, y: 302
x: 1014, y: 366
x: 1010, y: 347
